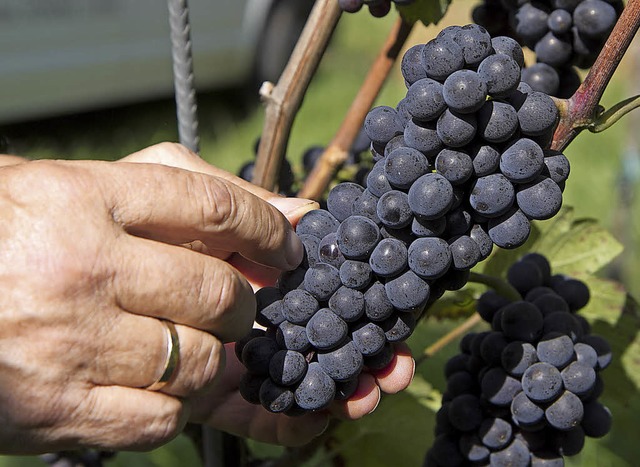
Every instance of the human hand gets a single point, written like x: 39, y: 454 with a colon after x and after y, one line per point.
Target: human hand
x: 223, y: 407
x: 91, y: 259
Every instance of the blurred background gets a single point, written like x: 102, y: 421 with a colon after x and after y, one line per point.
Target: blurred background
x: 91, y: 79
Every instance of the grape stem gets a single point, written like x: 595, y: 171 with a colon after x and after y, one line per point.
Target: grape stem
x: 607, y: 118
x: 284, y: 99
x: 582, y: 110
x: 449, y: 337
x: 337, y: 151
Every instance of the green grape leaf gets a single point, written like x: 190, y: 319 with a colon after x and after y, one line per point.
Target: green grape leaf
x: 576, y: 247
x: 399, y: 432
x: 426, y: 11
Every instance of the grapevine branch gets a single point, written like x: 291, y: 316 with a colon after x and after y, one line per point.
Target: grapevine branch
x: 582, y: 109
x: 284, y: 99
x: 337, y: 151
x: 445, y: 340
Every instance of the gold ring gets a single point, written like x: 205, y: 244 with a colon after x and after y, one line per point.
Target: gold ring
x: 171, y: 361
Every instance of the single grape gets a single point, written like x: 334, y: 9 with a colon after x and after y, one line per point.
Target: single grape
x: 316, y: 390
x: 298, y: 306
x: 596, y: 421
x: 542, y: 77
x: 368, y: 338
x: 498, y: 387
x: 475, y: 42
x: 556, y: 349
x: 377, y: 183
x: 411, y: 65
x: 486, y: 159
x: 465, y: 412
x: 257, y: 354
x: 347, y: 303
x: 326, y: 330
x: 497, y: 121
x: 366, y: 205
x: 343, y: 363
x: 501, y: 73
x: 393, y: 209
x: 549, y: 303
x: 351, y: 6
x: 381, y: 124
x: 292, y: 336
x: 559, y: 21
x: 517, y: 356
x: 578, y: 378
x: 389, y: 258
x: 328, y: 251
x: 482, y: 239
x: 553, y: 50
x: 472, y: 448
x: 423, y: 137
x: 455, y: 129
x: 430, y: 197
x: 407, y: 291
x: 521, y: 321
x: 538, y: 114
x: 357, y: 237
x: 310, y: 243
x: 508, y: 46
x: 377, y: 306
x: 542, y: 382
x: 524, y: 275
x: 341, y: 198
x: 594, y: 18
x: 522, y: 161
x: 454, y: 165
x: 380, y: 360
x: 492, y: 195
x: 287, y: 367
x: 398, y: 327
x: 355, y: 274
x: 566, y: 412
x: 574, y: 292
x: 318, y: 223
x: 249, y: 387
x: 428, y: 228
x: 557, y: 166
x: 425, y: 100
x: 530, y: 23
x: 403, y: 166
x: 429, y: 257
x: 322, y: 281
x: 515, y: 455
x: 441, y: 57
x: 495, y: 433
x: 464, y: 91
x: 585, y: 354
x: 525, y: 412
x: 465, y: 252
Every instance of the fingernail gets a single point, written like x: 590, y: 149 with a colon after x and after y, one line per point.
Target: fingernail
x: 294, y: 250
x: 293, y: 207
x: 377, y: 403
x: 413, y: 372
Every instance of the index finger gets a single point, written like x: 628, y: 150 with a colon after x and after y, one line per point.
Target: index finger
x: 179, y: 206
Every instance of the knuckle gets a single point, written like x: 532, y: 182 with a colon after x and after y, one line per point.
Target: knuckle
x: 165, y: 426
x: 170, y: 152
x: 218, y: 203
x: 211, y: 361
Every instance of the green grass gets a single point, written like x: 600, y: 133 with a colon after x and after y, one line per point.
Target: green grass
x: 230, y: 126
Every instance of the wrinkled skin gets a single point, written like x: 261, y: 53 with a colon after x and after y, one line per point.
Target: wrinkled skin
x: 93, y: 254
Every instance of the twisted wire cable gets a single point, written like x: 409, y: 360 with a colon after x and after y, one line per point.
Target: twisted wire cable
x: 183, y: 77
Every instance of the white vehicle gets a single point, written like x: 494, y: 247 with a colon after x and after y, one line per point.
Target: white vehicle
x: 63, y: 56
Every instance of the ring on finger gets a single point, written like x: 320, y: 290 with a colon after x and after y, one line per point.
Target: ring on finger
x: 172, y: 357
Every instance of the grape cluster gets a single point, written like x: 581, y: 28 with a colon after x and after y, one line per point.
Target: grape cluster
x: 377, y: 8
x: 524, y: 393
x: 458, y: 169
x: 562, y: 33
